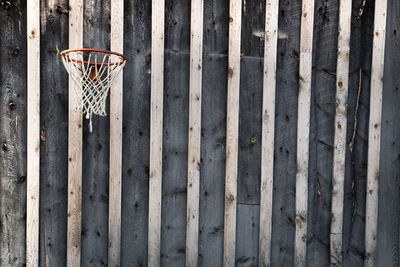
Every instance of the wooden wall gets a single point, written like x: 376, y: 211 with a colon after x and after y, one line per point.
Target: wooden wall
x: 140, y: 240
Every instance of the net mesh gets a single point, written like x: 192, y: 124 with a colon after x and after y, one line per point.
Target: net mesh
x: 93, y: 73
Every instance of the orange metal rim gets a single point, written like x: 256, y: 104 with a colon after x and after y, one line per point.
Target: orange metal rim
x: 67, y: 51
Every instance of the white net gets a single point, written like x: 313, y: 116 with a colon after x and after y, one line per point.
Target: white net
x: 93, y: 73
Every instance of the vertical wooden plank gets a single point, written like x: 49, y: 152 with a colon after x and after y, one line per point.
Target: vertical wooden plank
x: 339, y: 152
x: 374, y: 135
x: 136, y: 133
x: 194, y: 139
x: 54, y: 134
x: 232, y: 131
x: 389, y: 169
x: 357, y: 126
x: 74, y: 146
x: 13, y: 137
x: 212, y: 182
x: 95, y: 149
x: 283, y: 233
x: 303, y: 131
x: 268, y: 130
x: 116, y: 108
x: 156, y: 126
x: 33, y: 134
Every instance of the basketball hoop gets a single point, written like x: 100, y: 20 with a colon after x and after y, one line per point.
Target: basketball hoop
x: 93, y: 72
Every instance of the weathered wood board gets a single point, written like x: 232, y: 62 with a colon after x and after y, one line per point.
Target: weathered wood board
x: 13, y: 120
x: 173, y: 133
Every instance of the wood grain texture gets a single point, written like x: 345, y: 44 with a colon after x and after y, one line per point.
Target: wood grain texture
x: 339, y: 149
x: 250, y: 127
x: 175, y: 132
x: 54, y: 135
x: 283, y: 219
x: 74, y: 147
x: 33, y: 134
x: 303, y: 131
x: 13, y: 135
x: 389, y: 171
x: 357, y: 122
x: 96, y: 149
x: 232, y: 132
x: 136, y: 133
x: 194, y: 139
x: 374, y: 136
x: 156, y: 132
x: 247, y: 249
x: 213, y: 135
x: 250, y: 106
x: 268, y: 131
x: 322, y: 119
x: 249, y: 156
x: 116, y: 110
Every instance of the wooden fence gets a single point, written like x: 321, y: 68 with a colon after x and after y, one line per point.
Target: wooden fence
x: 240, y: 133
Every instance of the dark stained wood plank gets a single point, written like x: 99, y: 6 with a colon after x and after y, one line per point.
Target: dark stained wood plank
x: 250, y: 125
x: 136, y: 133
x: 12, y: 132
x: 247, y: 249
x: 356, y: 160
x: 175, y: 132
x: 283, y: 228
x: 95, y: 172
x: 54, y: 135
x: 251, y: 85
x: 212, y: 188
x: 389, y: 177
x: 322, y: 131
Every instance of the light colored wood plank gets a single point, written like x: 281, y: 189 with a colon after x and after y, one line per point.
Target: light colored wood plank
x: 339, y: 153
x: 116, y: 110
x: 303, y: 131
x: 268, y: 130
x: 156, y: 131
x: 193, y: 187
x: 33, y: 133
x: 374, y: 137
x: 232, y: 132
x: 74, y: 146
